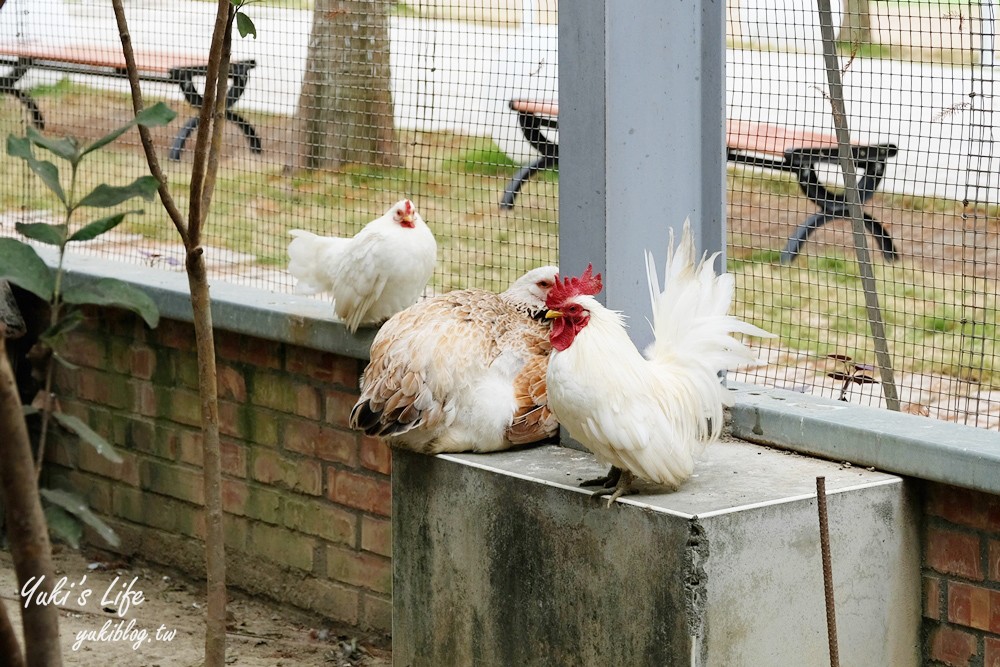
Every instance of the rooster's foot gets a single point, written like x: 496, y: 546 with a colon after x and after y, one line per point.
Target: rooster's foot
x: 606, y: 482
x: 622, y: 488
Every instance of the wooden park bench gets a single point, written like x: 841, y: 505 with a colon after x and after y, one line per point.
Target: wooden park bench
x: 754, y: 144
x: 162, y: 66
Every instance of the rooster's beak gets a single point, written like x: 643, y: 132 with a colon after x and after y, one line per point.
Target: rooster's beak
x: 553, y: 314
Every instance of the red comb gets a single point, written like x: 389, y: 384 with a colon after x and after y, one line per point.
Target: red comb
x: 408, y: 206
x: 570, y: 287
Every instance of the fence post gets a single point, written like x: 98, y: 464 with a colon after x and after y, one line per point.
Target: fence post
x: 641, y: 138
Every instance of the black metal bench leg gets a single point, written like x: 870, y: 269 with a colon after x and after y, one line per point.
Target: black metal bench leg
x: 882, y: 238
x: 801, y: 235
x: 248, y: 130
x: 7, y: 84
x: 521, y: 177
x: 182, y: 136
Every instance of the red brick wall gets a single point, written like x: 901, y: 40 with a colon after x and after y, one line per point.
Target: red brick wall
x: 961, y: 577
x: 307, y: 499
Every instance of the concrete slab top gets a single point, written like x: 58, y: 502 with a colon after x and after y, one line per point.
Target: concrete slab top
x: 732, y: 475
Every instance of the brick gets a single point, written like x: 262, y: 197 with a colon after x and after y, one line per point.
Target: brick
x: 189, y: 448
x: 303, y: 475
x: 263, y: 504
x: 176, y: 335
x: 262, y: 427
x: 360, y: 491
x: 146, y: 400
x: 234, y: 496
x: 282, y: 546
x: 142, y: 362
x: 964, y: 507
x: 158, y: 512
x: 134, y: 434
x: 951, y: 646
x: 968, y: 605
x: 271, y: 390
x: 105, y: 389
x: 85, y: 349
x: 261, y: 353
x: 375, y: 455
x: 994, y: 561
x: 234, y: 458
x: 328, y: 522
x: 328, y: 368
x: 126, y: 472
x: 376, y: 535
x: 358, y: 568
x: 991, y: 652
x: 323, y: 442
x: 376, y: 613
x: 228, y: 344
x: 953, y: 552
x: 232, y: 384
x: 186, y: 371
x: 236, y: 531
x: 171, y: 480
x: 185, y: 407
x: 338, y: 407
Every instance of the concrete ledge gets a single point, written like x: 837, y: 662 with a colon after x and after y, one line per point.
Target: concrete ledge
x: 930, y: 449
x: 286, y: 318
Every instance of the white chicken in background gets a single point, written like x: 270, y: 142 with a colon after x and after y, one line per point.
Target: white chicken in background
x: 463, y: 371
x: 646, y: 417
x: 373, y: 275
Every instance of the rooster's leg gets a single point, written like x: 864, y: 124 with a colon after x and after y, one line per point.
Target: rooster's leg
x: 606, y: 482
x: 624, y: 486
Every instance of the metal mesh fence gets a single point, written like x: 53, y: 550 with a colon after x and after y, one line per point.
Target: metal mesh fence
x: 357, y: 104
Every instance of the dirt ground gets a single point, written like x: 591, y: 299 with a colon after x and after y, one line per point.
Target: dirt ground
x: 165, y: 627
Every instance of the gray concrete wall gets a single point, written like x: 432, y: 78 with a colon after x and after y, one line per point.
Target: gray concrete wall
x: 502, y: 560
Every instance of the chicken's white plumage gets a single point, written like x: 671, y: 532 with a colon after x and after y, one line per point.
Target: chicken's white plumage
x: 650, y: 416
x: 372, y: 276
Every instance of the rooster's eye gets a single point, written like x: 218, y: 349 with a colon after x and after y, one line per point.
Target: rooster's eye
x: 544, y: 284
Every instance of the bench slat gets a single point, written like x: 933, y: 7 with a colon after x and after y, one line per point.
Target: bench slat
x: 742, y: 135
x: 102, y: 56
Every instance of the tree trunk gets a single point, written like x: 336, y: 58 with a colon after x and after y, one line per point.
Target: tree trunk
x: 345, y: 112
x: 10, y: 650
x: 856, y: 27
x: 26, y: 527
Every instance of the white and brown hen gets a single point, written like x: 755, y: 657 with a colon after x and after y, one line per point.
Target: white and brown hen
x: 373, y: 275
x: 463, y: 371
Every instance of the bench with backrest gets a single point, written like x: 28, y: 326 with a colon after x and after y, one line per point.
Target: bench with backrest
x: 179, y: 69
x: 754, y: 144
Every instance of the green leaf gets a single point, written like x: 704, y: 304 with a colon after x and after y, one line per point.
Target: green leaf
x: 76, y: 506
x: 19, y: 147
x: 70, y: 321
x: 21, y: 265
x: 105, y: 195
x: 157, y: 115
x: 114, y: 292
x: 49, y: 174
x: 63, y: 525
x: 29, y: 410
x: 245, y: 25
x: 63, y: 361
x: 67, y: 148
x: 88, y: 435
x: 98, y: 227
x: 43, y: 232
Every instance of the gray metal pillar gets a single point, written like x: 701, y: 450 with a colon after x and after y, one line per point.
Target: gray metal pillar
x: 641, y: 138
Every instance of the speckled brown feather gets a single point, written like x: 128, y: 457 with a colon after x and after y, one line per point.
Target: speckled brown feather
x: 440, y: 346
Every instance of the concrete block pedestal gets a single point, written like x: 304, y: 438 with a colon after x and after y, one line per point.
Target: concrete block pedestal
x: 502, y: 559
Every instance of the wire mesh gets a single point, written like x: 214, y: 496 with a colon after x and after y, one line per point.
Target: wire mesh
x: 360, y: 103
x: 917, y: 75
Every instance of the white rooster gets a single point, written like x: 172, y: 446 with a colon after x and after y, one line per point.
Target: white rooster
x: 463, y: 371
x: 646, y: 417
x: 372, y: 276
